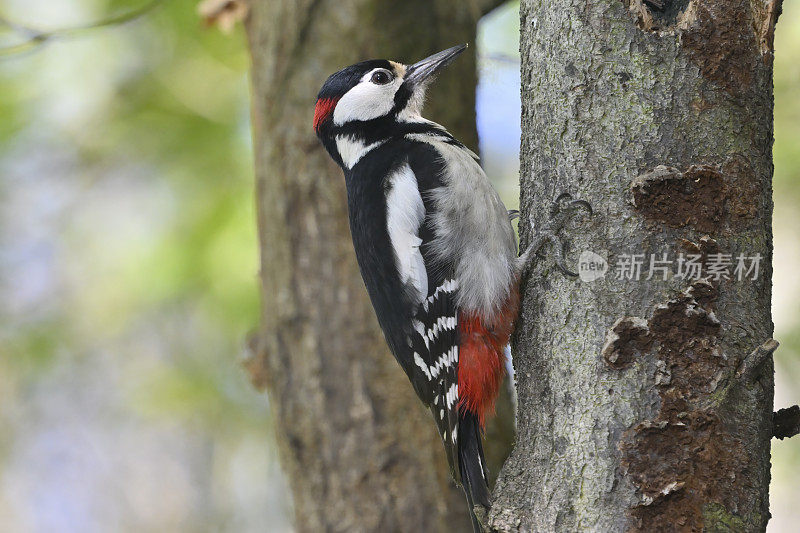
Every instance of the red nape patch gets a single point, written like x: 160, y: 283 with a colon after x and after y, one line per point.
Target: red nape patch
x: 324, y: 109
x: 481, y: 364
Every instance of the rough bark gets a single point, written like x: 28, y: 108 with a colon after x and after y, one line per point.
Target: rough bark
x: 639, y: 408
x: 358, y: 449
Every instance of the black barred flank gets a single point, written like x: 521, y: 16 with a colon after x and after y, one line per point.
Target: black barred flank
x: 434, y: 342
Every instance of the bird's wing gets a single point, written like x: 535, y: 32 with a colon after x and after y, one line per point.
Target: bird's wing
x: 435, y: 323
x: 435, y: 346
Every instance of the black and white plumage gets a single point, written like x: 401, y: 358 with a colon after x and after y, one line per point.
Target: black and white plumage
x: 434, y: 244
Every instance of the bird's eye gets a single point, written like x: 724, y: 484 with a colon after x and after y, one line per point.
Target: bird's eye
x: 381, y: 77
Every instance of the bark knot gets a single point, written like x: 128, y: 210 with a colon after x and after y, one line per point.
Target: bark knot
x: 627, y: 338
x: 674, y: 459
x: 724, y: 39
x: 707, y: 198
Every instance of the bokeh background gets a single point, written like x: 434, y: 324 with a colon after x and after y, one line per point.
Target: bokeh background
x: 128, y: 269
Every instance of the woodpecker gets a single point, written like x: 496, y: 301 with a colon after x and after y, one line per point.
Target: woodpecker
x: 434, y: 244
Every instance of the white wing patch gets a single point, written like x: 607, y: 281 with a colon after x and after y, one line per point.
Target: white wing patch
x: 446, y: 360
x: 352, y: 150
x: 405, y: 214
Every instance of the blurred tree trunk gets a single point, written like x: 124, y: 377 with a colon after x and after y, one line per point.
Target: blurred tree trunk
x: 639, y: 406
x: 359, y: 450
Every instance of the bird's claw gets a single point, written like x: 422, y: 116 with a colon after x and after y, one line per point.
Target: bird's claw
x: 563, y: 208
x: 578, y: 204
x: 559, y: 203
x: 559, y: 251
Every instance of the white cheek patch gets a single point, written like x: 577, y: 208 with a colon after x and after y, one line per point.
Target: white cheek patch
x: 366, y: 100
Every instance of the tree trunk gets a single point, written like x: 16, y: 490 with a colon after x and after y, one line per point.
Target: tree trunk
x: 639, y: 406
x: 359, y: 450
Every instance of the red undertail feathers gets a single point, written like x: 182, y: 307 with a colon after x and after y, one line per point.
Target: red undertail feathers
x: 481, y: 357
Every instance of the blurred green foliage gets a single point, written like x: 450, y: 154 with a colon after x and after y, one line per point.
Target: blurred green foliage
x: 787, y: 103
x: 128, y: 274
x: 149, y: 117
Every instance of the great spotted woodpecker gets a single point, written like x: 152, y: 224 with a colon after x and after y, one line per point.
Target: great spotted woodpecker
x: 435, y: 246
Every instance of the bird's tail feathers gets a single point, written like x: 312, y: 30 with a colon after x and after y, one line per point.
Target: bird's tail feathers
x: 471, y: 464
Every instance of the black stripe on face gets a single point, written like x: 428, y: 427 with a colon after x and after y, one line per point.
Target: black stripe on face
x: 401, y: 97
x: 342, y: 81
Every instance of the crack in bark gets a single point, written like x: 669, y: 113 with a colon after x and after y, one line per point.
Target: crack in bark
x: 656, y: 15
x: 766, y: 32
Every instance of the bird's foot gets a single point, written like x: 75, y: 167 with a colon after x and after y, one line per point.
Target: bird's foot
x: 563, y: 209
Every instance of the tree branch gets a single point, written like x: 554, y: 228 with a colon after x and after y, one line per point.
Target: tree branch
x: 36, y: 37
x: 747, y: 369
x: 786, y: 422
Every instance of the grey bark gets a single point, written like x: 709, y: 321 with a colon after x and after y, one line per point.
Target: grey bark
x: 358, y: 449
x: 634, y: 409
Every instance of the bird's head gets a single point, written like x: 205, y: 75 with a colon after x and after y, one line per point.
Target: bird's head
x: 366, y: 100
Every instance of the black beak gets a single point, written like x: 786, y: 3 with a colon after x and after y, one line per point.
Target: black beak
x: 422, y: 71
